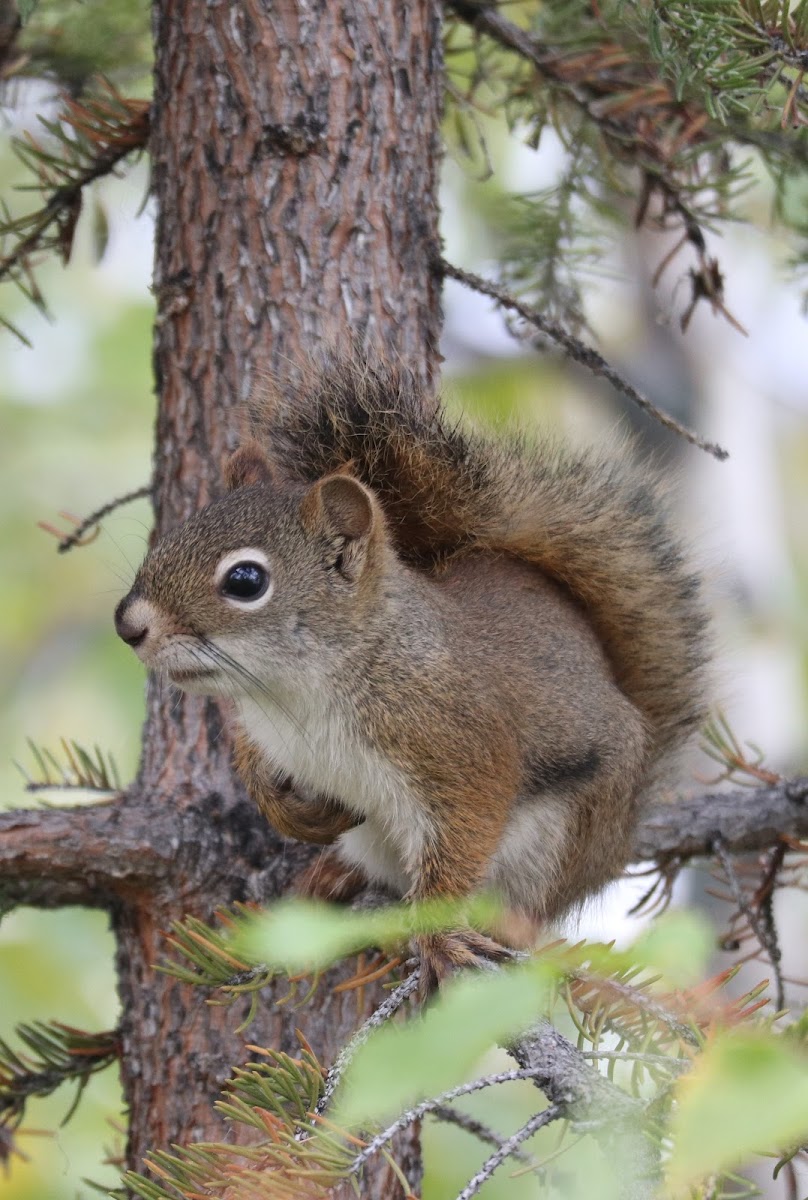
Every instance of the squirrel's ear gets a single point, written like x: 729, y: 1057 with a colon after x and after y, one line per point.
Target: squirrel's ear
x: 248, y: 465
x: 340, y: 507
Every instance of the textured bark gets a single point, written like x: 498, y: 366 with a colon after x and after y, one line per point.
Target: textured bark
x: 10, y: 25
x: 746, y: 819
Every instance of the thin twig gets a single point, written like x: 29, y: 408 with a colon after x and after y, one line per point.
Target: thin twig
x: 638, y: 998
x: 453, y: 1116
x: 578, y: 351
x: 73, y: 539
x: 428, y: 1106
x: 507, y: 1148
x: 653, y: 1060
x: 383, y: 1013
x: 767, y: 936
x: 764, y: 897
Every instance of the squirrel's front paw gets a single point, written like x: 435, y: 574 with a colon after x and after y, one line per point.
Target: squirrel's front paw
x: 328, y: 878
x: 441, y: 954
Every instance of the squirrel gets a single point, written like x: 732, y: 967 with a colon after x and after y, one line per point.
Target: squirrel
x: 460, y: 663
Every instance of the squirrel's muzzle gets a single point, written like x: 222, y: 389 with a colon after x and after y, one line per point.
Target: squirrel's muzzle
x: 131, y: 621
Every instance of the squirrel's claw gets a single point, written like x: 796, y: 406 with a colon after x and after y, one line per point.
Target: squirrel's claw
x: 441, y: 954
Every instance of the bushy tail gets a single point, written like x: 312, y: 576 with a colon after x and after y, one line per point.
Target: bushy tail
x: 595, y: 522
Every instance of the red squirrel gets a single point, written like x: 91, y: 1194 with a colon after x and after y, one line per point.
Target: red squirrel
x: 459, y: 662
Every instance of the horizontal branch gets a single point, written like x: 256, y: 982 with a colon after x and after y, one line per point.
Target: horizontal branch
x: 136, y: 844
x: 87, y: 854
x: 745, y: 819
x: 96, y: 854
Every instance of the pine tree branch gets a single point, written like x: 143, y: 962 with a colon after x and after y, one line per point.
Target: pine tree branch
x: 95, y: 854
x: 578, y: 351
x: 676, y: 126
x: 745, y: 819
x: 138, y: 845
x: 106, y: 130
x: 590, y: 1099
x: 487, y: 19
x: 89, y: 854
x: 59, y: 204
x: 54, y: 1054
x: 574, y: 1089
x: 791, y: 56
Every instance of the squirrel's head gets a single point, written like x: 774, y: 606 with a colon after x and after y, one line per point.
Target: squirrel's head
x: 272, y: 583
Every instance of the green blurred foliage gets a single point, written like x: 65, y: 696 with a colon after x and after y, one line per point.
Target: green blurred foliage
x: 746, y: 1093
x: 299, y: 935
x: 717, y: 1085
x: 71, y: 40
x: 60, y: 965
x: 77, y: 412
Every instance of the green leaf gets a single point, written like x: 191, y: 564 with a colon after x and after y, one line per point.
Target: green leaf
x: 678, y: 945
x: 748, y: 1092
x: 399, y: 1065
x: 301, y: 935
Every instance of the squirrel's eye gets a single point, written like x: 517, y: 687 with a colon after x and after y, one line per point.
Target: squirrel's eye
x: 245, y: 581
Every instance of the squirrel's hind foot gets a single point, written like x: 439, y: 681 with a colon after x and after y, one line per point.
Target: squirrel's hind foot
x: 441, y: 954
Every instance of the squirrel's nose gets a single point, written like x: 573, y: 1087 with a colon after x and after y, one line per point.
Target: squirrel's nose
x: 129, y: 626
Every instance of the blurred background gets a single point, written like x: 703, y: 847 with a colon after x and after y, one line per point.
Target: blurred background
x: 77, y: 414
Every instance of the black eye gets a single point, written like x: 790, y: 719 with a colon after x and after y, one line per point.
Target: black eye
x: 245, y: 581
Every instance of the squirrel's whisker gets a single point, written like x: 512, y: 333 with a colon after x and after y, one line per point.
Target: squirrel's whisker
x: 221, y: 656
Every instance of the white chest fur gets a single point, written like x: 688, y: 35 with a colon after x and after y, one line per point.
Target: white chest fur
x: 319, y: 748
